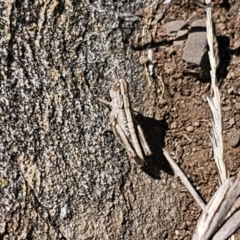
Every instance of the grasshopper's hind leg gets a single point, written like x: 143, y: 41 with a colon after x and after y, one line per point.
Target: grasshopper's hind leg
x: 105, y: 102
x: 120, y: 135
x: 141, y: 136
x: 143, y: 141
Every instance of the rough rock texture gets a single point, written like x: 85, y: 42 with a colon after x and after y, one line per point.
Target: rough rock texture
x: 174, y: 26
x: 195, y: 52
x: 59, y: 177
x: 196, y: 44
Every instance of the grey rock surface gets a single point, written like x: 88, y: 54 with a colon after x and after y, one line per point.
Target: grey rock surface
x: 173, y: 27
x: 60, y: 177
x: 180, y: 38
x: 196, y: 44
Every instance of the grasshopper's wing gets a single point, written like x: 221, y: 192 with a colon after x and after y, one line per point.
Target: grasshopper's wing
x: 129, y: 117
x: 143, y: 141
x: 122, y: 138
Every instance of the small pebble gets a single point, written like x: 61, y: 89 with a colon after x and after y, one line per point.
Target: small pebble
x: 221, y: 26
x: 236, y: 44
x: 226, y: 108
x: 231, y: 121
x: 234, y: 139
x: 190, y: 129
x: 223, y: 18
x: 230, y: 90
x: 179, y: 151
x: 237, y: 105
x: 173, y: 125
x: 195, y: 46
x: 196, y: 124
x: 232, y: 74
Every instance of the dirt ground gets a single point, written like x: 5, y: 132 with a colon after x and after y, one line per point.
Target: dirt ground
x: 179, y: 99
x: 181, y: 102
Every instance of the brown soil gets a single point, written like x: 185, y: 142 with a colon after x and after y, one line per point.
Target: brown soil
x: 179, y: 100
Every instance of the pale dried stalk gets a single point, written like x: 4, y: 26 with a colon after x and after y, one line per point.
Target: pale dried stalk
x: 229, y: 227
x: 215, y: 102
x: 178, y: 172
x: 216, y: 211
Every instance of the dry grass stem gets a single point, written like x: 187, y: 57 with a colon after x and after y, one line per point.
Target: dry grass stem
x: 212, y: 224
x: 184, y: 179
x: 215, y: 102
x: 229, y: 227
x: 217, y: 210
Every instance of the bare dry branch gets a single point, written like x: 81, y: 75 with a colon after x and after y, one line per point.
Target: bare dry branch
x: 184, y: 179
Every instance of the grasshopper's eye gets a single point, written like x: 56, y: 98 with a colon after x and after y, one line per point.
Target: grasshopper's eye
x: 116, y: 87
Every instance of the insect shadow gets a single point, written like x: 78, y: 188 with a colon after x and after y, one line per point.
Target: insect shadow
x: 155, y: 131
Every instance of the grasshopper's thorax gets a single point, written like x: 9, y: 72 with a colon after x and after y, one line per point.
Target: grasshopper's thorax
x: 116, y: 96
x: 118, y: 111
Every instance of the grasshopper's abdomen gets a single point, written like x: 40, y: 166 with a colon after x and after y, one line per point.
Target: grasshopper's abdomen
x: 122, y: 121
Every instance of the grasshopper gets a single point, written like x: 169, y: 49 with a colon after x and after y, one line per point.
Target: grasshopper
x: 124, y: 125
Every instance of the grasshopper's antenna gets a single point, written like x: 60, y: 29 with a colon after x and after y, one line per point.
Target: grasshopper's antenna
x: 116, y: 64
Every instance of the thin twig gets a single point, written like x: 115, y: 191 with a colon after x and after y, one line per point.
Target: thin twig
x: 184, y: 179
x: 163, y: 86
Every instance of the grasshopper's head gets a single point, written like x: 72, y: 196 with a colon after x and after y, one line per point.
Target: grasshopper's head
x: 115, y: 91
x: 119, y: 88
